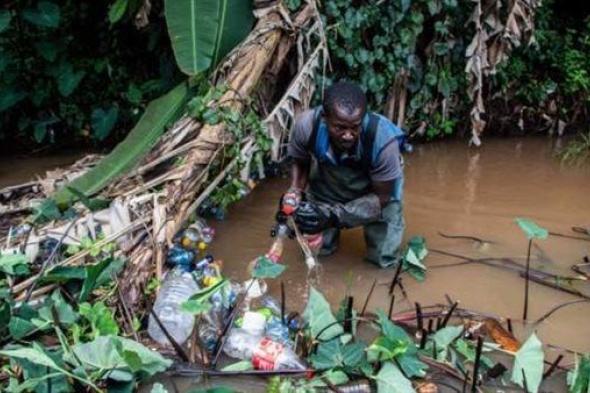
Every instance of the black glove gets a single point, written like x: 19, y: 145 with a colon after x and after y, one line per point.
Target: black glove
x: 312, y: 217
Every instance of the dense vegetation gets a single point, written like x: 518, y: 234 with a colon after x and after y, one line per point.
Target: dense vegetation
x: 82, y: 72
x: 79, y: 72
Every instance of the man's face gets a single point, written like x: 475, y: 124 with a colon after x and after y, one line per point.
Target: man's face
x: 344, y: 127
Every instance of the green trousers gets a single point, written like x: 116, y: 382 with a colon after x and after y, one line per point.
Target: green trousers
x: 340, y: 184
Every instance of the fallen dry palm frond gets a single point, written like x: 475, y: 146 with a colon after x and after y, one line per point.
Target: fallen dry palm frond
x: 491, y: 45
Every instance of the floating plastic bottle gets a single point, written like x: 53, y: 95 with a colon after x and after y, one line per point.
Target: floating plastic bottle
x: 265, y: 353
x: 177, y: 287
x: 181, y: 257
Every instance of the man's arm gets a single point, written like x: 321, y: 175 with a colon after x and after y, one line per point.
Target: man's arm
x: 299, y: 174
x: 383, y: 191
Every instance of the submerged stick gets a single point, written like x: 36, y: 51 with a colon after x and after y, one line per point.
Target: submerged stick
x: 557, y: 234
x: 526, y: 281
x: 558, y: 307
x: 348, y: 315
x: 398, y: 270
x: 177, y: 348
x: 419, y: 323
x: 368, y: 297
x: 391, y: 303
x: 476, y: 363
x: 552, y: 368
x: 449, y: 314
x: 221, y: 339
x: 46, y: 263
x: 475, y: 239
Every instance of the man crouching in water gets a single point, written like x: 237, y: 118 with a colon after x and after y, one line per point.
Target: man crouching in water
x: 348, y: 163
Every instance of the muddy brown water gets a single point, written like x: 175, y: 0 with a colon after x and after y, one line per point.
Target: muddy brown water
x: 458, y: 191
x: 453, y: 189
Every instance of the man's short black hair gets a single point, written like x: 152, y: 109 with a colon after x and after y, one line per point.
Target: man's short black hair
x: 346, y: 95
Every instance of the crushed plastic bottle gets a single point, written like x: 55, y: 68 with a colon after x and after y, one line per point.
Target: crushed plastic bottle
x: 278, y: 331
x: 177, y: 287
x: 265, y: 353
x: 181, y: 257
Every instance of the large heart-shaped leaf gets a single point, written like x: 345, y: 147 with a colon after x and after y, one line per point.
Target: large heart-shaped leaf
x: 320, y: 317
x: 578, y: 379
x: 531, y: 229
x: 529, y: 361
x: 5, y: 17
x: 46, y: 14
x: 203, y: 31
x: 10, y: 97
x: 390, y: 379
x: 103, y: 121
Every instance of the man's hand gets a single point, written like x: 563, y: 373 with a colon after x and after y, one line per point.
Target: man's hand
x: 312, y: 217
x: 290, y: 201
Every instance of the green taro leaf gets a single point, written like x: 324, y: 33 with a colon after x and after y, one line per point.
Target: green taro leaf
x: 103, y: 121
x: 128, y: 153
x: 529, y: 359
x: 117, y: 11
x: 578, y: 379
x: 319, y: 316
x: 391, y: 380
x: 265, y: 268
x: 46, y: 14
x: 68, y: 79
x: 34, y: 355
x: 100, y: 317
x: 47, y: 50
x: 202, y: 32
x: 5, y: 17
x: 20, y: 327
x: 10, y: 97
x: 243, y: 365
x: 108, y: 352
x: 531, y: 229
x: 14, y: 264
x: 92, y: 274
x: 443, y: 338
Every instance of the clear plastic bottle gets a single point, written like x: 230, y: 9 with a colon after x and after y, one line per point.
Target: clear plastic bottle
x: 264, y: 353
x: 177, y: 287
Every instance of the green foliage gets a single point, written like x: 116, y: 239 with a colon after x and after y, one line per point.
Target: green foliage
x: 14, y: 264
x: 531, y: 229
x: 529, y: 361
x: 577, y: 151
x: 265, y: 268
x: 320, y: 317
x: 203, y: 31
x: 414, y: 254
x: 240, y: 125
x: 390, y: 379
x: 373, y: 42
x: 54, y: 89
x: 556, y: 68
x: 578, y: 379
x: 101, y: 321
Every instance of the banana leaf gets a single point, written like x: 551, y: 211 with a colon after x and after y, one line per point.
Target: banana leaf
x: 202, y: 32
x: 129, y: 152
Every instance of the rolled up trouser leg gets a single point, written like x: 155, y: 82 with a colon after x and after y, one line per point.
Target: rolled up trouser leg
x: 330, y: 241
x: 384, y: 237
